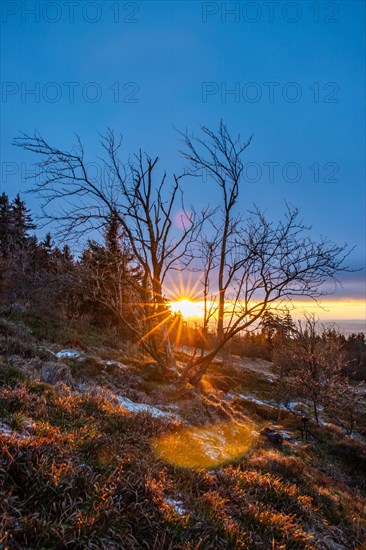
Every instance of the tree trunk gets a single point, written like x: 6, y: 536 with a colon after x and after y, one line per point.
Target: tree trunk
x: 161, y: 310
x: 200, y: 373
x: 220, y: 316
x: 168, y: 347
x: 187, y: 369
x: 220, y: 320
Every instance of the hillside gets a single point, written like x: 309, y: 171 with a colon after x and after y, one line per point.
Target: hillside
x: 98, y: 450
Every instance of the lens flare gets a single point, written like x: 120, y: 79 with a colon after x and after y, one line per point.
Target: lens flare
x: 205, y: 446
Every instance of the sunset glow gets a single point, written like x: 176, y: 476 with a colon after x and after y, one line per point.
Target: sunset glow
x: 329, y: 310
x: 189, y: 309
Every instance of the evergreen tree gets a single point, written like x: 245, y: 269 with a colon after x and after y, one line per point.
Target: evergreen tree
x: 17, y: 247
x: 45, y: 255
x: 110, y: 280
x: 67, y: 255
x: 21, y: 223
x: 113, y: 236
x: 15, y: 225
x: 5, y: 225
x: 47, y: 244
x: 276, y: 328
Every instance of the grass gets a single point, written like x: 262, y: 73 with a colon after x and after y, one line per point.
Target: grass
x: 42, y: 327
x: 78, y: 475
x: 78, y: 471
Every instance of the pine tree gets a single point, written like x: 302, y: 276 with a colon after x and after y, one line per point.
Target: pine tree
x: 5, y: 225
x: 113, y: 236
x: 67, y: 255
x: 17, y: 248
x: 110, y: 278
x: 21, y: 224
x: 47, y: 244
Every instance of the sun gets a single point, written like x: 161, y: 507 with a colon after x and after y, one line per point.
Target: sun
x: 187, y: 308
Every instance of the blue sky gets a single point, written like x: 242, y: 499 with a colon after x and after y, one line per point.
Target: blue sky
x: 297, y: 77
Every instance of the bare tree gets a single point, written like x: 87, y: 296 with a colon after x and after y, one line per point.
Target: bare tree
x: 220, y: 157
x: 311, y: 363
x: 256, y: 262
x: 272, y: 262
x: 140, y: 199
x: 247, y: 264
x: 347, y: 406
x: 208, y: 250
x: 312, y: 359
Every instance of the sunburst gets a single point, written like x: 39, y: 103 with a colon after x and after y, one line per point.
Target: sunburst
x: 189, y: 309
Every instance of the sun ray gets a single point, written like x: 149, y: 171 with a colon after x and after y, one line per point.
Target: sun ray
x: 154, y: 329
x: 175, y: 321
x: 179, y: 334
x: 186, y: 287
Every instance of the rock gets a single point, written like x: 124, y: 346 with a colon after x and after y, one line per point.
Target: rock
x: 51, y: 373
x: 272, y: 435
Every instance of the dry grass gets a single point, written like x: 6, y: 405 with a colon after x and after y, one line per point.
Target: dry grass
x: 77, y: 471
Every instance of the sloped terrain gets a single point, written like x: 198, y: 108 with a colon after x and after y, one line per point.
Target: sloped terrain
x: 99, y: 451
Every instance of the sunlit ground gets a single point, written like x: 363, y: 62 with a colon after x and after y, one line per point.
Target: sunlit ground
x: 205, y: 446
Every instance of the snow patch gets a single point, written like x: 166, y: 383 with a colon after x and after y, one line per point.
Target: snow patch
x: 177, y: 504
x: 111, y: 363
x: 253, y: 400
x: 6, y: 431
x: 293, y: 404
x: 133, y: 407
x: 211, y: 444
x: 68, y: 353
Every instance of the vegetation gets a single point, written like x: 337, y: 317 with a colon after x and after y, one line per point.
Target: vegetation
x: 78, y: 470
